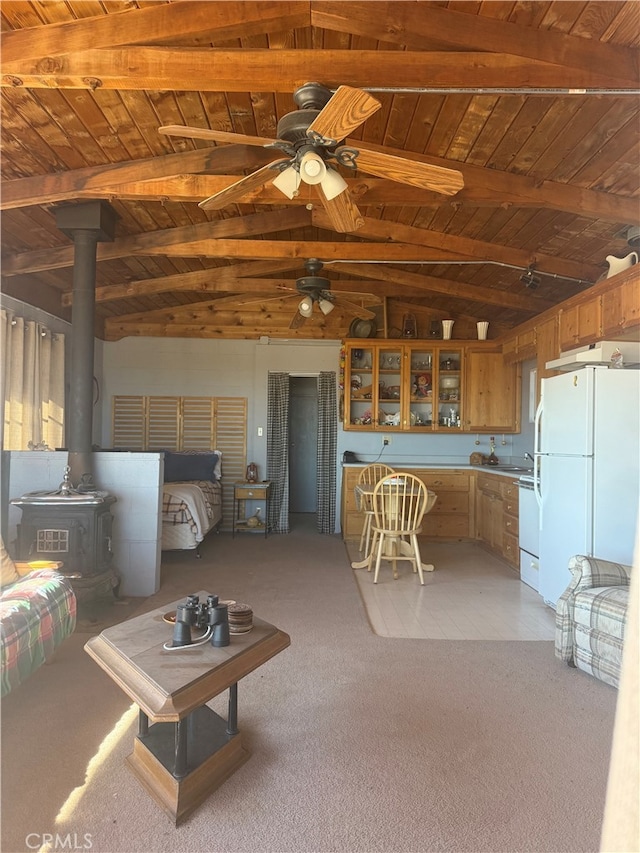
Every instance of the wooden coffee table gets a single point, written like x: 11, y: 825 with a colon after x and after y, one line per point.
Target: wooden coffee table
x: 183, y: 750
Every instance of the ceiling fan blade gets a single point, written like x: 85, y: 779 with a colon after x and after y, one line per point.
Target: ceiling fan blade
x: 423, y: 175
x: 371, y: 298
x: 346, y: 110
x: 342, y: 211
x: 215, y: 135
x: 297, y: 320
x: 358, y: 310
x: 251, y: 299
x: 237, y: 190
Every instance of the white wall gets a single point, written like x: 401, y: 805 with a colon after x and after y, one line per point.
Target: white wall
x: 240, y: 368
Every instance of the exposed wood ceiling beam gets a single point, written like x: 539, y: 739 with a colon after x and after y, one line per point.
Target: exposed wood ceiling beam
x: 215, y: 70
x: 407, y: 24
x: 205, y: 238
x: 153, y: 242
x: 63, y: 186
x: 154, y: 178
x: 221, y: 21
x: 410, y: 24
x: 430, y: 284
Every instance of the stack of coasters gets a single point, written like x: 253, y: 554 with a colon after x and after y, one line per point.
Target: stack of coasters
x: 240, y: 618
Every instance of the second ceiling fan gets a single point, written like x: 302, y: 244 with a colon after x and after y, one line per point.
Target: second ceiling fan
x: 314, y: 138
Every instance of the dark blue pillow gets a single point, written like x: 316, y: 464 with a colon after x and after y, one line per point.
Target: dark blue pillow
x: 189, y: 466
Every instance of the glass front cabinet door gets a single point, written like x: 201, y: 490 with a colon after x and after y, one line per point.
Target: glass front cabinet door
x: 394, y: 386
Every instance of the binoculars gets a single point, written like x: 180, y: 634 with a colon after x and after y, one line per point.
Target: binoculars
x: 196, y: 614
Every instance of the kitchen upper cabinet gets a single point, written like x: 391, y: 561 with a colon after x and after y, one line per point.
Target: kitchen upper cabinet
x: 580, y: 324
x: 396, y: 386
x: 492, y: 400
x: 547, y: 346
x: 425, y: 387
x: 621, y: 310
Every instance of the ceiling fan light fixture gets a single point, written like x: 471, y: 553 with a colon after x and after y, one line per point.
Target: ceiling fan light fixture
x: 326, y: 306
x: 312, y: 168
x: 333, y: 184
x: 288, y: 182
x: 306, y: 306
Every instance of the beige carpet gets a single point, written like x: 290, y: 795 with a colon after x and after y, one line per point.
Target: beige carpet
x: 359, y: 743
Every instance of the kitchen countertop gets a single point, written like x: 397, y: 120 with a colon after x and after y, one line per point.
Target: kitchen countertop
x: 445, y: 466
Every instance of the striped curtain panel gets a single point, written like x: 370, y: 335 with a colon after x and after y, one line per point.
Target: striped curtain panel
x: 32, y: 384
x: 278, y: 451
x: 327, y: 443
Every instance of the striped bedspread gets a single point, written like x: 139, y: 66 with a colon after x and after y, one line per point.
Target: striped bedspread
x: 176, y: 511
x: 36, y: 614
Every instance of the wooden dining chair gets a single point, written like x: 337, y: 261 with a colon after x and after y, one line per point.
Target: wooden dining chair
x: 369, y: 476
x: 399, y: 504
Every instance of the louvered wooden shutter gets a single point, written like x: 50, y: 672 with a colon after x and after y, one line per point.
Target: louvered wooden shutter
x: 198, y: 423
x: 231, y: 440
x: 187, y: 423
x: 163, y: 423
x: 129, y: 423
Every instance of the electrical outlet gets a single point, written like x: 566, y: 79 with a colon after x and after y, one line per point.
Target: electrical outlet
x: 386, y: 440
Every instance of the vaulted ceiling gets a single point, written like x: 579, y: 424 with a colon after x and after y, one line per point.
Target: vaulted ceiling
x: 535, y: 104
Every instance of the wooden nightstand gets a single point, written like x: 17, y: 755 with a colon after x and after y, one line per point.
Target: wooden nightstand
x: 250, y: 492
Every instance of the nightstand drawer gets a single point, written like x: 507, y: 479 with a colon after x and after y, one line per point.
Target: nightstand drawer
x: 245, y: 493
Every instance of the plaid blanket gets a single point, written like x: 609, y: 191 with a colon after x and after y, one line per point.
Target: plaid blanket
x: 36, y: 614
x: 176, y: 511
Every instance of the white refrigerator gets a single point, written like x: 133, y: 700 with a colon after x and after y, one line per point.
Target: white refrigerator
x: 587, y: 459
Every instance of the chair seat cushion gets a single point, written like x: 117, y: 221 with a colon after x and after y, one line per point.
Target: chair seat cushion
x: 603, y: 609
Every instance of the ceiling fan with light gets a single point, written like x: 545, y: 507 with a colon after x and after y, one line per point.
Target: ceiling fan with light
x: 314, y: 138
x: 315, y: 290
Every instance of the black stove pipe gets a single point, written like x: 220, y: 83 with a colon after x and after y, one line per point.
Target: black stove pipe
x: 80, y: 424
x: 86, y: 224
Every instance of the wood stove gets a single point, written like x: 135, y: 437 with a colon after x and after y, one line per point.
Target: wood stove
x: 73, y: 527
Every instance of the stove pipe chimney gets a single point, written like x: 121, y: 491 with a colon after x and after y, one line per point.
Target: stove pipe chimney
x: 86, y: 224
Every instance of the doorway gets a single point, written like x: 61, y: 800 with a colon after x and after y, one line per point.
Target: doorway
x: 303, y: 444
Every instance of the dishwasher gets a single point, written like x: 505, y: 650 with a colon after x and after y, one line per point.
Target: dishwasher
x: 528, y: 531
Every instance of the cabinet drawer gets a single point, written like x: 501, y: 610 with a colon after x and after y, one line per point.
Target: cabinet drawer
x: 244, y: 493
x: 510, y: 508
x: 490, y: 483
x: 438, y: 482
x: 510, y: 493
x: 510, y: 549
x: 510, y: 525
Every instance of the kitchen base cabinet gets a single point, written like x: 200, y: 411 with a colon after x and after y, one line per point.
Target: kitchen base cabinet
x: 497, y: 516
x: 452, y: 517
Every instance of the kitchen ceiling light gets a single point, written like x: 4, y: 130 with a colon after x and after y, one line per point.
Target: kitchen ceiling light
x: 326, y: 306
x: 312, y: 168
x: 332, y: 184
x: 288, y: 182
x: 306, y: 306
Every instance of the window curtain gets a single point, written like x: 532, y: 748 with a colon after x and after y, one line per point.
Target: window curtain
x: 32, y: 384
x: 327, y: 444
x: 278, y: 451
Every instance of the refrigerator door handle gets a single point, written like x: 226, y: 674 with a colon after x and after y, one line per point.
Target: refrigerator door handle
x: 536, y: 455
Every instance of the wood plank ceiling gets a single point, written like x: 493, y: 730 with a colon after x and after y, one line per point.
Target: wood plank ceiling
x: 535, y: 103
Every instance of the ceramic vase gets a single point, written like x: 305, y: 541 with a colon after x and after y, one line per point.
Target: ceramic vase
x: 447, y: 326
x: 483, y: 327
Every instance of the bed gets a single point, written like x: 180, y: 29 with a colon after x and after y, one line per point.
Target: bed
x: 191, y: 498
